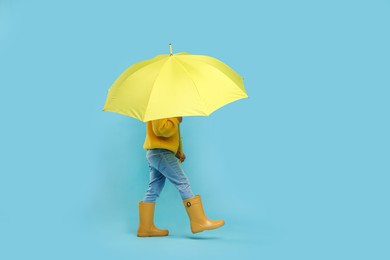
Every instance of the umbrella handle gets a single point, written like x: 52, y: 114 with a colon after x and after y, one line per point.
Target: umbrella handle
x: 170, y: 49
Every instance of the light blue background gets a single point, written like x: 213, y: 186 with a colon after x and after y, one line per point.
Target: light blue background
x: 300, y: 170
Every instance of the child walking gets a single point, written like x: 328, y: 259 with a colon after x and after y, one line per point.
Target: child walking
x: 164, y: 154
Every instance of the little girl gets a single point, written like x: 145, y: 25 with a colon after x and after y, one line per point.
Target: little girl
x: 164, y: 154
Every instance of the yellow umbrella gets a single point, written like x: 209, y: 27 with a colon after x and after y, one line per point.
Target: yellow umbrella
x: 172, y: 85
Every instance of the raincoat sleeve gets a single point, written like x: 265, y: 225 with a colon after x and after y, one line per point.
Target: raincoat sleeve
x: 165, y: 127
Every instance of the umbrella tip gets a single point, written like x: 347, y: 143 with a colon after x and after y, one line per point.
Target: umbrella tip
x: 170, y: 49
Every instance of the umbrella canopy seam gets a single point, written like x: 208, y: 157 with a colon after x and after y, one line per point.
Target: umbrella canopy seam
x: 195, y: 57
x: 189, y: 76
x: 147, y: 105
x: 144, y: 67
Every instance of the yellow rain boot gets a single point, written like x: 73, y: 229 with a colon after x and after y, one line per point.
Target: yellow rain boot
x: 146, y: 226
x: 199, y: 221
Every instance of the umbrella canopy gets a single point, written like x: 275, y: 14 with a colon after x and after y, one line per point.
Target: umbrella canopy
x: 173, y: 85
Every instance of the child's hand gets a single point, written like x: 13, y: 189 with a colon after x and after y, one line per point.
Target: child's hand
x: 181, y: 157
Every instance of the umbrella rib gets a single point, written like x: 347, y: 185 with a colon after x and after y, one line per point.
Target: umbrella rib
x: 193, y: 82
x: 147, y: 105
x: 143, y: 67
x: 216, y: 69
x: 195, y: 57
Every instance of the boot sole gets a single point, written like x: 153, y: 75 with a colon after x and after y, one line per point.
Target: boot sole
x: 150, y: 235
x: 206, y: 228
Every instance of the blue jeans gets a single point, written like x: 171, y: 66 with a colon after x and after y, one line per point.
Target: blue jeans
x: 164, y: 164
